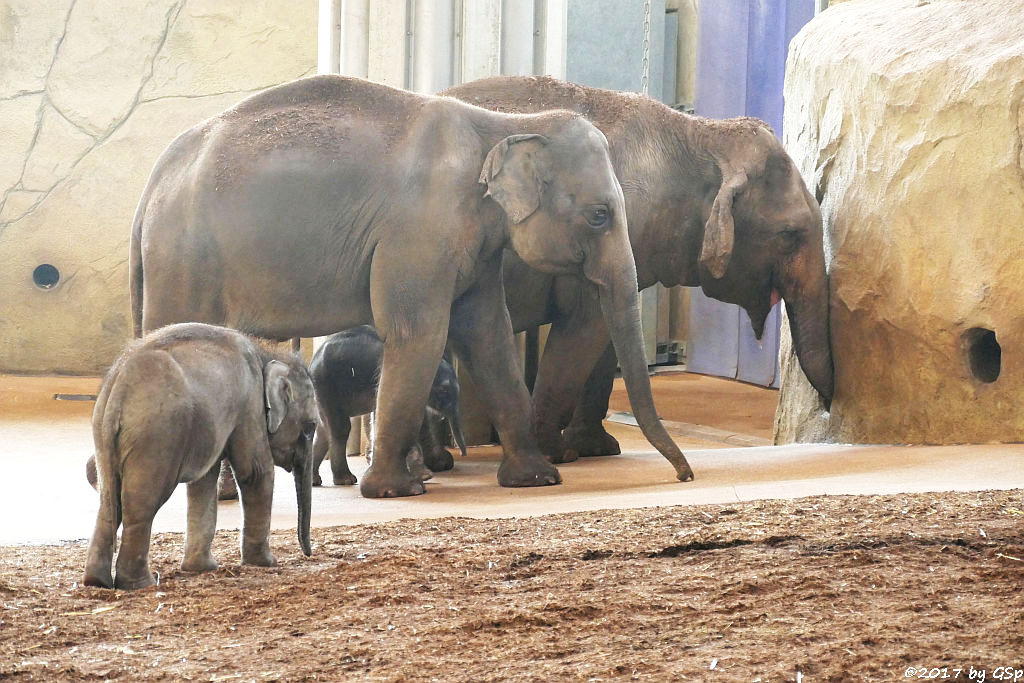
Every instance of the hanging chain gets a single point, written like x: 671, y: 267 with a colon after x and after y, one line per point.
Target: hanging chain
x: 645, y: 74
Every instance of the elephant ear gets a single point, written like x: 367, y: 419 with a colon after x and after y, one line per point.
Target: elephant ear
x: 719, y: 231
x: 277, y: 393
x: 514, y: 175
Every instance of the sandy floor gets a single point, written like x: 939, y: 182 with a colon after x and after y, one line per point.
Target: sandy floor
x: 620, y: 573
x: 836, y: 588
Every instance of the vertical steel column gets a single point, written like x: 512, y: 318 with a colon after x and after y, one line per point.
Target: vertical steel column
x: 517, y: 37
x: 432, y: 39
x: 554, y: 37
x: 328, y: 36
x: 481, y: 39
x: 388, y: 57
x: 355, y: 37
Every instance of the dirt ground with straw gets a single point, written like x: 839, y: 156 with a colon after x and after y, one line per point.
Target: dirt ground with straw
x: 823, y: 589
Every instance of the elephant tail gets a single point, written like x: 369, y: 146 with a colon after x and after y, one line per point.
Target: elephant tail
x: 99, y: 561
x: 135, y: 276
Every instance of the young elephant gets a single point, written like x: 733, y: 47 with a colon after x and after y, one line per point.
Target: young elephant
x: 169, y: 407
x: 345, y: 372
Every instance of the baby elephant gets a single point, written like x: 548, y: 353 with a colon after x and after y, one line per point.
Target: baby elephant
x: 345, y: 371
x: 168, y: 409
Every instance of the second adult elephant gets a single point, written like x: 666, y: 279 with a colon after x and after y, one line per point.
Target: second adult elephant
x: 714, y: 203
x: 332, y: 202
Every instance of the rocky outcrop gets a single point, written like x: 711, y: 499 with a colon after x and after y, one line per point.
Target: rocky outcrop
x: 906, y: 119
x: 91, y: 92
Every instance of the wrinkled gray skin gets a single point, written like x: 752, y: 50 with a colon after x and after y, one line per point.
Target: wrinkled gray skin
x: 717, y: 204
x: 332, y: 202
x: 345, y: 371
x: 167, y: 411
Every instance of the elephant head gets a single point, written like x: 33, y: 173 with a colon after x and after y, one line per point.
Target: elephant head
x: 291, y: 424
x: 763, y: 241
x: 444, y: 398
x: 566, y: 214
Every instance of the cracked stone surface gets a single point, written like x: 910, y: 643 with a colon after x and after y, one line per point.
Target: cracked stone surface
x: 58, y: 147
x: 17, y: 130
x: 29, y: 33
x: 916, y: 160
x: 96, y: 92
x: 96, y: 77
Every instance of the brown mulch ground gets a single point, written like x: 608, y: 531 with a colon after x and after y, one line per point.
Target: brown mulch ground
x: 827, y: 588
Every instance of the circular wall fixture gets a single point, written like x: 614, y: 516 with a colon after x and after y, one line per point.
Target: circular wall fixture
x: 46, y: 276
x: 984, y: 355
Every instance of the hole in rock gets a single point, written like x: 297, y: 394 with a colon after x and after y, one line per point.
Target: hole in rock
x: 45, y: 276
x: 984, y: 355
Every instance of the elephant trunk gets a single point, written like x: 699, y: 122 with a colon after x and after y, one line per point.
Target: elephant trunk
x: 302, y: 470
x: 614, y: 272
x: 809, y: 326
x: 804, y: 286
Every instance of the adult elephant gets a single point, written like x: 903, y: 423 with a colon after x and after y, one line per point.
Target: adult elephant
x: 331, y: 202
x: 715, y: 203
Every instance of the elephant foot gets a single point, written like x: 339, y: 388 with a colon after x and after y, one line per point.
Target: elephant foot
x: 592, y: 442
x: 202, y: 563
x: 553, y: 446
x: 381, y: 483
x: 440, y: 460
x: 340, y: 473
x: 531, y: 470
x: 226, y: 488
x: 414, y: 462
x: 317, y: 481
x: 127, y: 584
x: 99, y: 579
x: 259, y: 556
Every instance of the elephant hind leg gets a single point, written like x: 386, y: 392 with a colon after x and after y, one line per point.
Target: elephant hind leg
x: 143, y: 492
x: 586, y: 433
x: 101, y: 548
x: 202, y: 522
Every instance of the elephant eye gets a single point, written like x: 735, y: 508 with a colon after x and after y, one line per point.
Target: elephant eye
x: 790, y: 239
x: 597, y: 216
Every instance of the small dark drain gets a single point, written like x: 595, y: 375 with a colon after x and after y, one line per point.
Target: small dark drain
x: 74, y: 397
x: 984, y: 355
x: 46, y: 276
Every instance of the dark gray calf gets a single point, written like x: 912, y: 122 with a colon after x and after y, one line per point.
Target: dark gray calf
x: 345, y: 372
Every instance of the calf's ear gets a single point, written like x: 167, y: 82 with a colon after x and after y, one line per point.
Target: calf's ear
x: 514, y: 174
x: 277, y: 393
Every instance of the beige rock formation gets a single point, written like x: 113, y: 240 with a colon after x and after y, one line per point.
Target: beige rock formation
x: 92, y: 93
x: 906, y: 119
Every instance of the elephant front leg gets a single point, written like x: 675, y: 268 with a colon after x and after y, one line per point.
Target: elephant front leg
x: 481, y: 334
x: 331, y: 440
x: 586, y: 433
x: 202, y: 522
x: 407, y: 371
x: 257, y: 499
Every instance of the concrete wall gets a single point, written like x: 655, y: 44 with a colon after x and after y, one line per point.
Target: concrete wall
x: 91, y: 91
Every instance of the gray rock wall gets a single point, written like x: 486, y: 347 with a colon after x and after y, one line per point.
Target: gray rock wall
x: 91, y: 92
x: 906, y: 119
